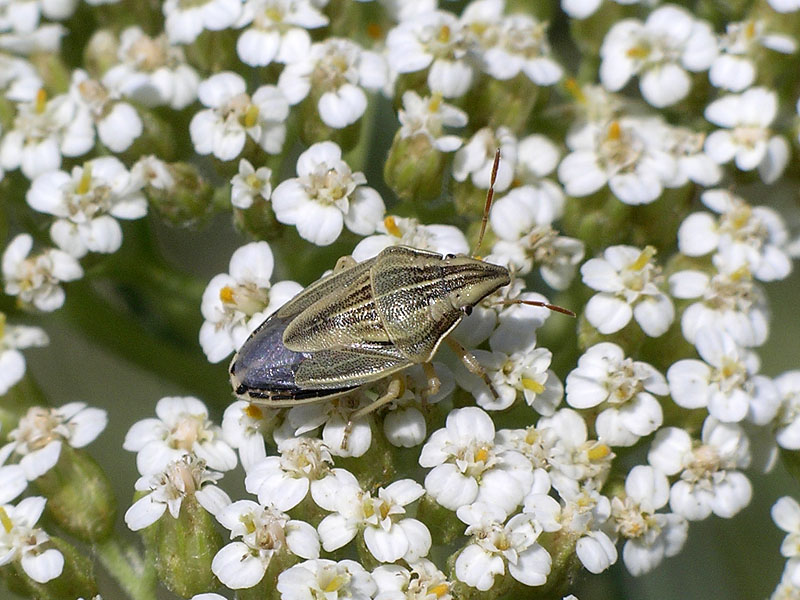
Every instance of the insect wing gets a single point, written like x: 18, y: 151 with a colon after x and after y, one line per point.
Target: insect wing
x: 337, y: 368
x: 264, y: 368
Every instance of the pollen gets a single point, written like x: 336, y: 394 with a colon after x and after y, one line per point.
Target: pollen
x: 481, y: 455
x: 439, y: 590
x: 532, y: 385
x: 575, y: 90
x: 643, y: 259
x: 599, y: 452
x: 84, y: 185
x: 444, y: 34
x: 614, y: 131
x: 226, y: 294
x: 435, y: 102
x: 391, y: 226
x: 374, y: 31
x: 334, y: 584
x: 5, y: 521
x: 41, y: 100
x: 639, y: 52
x: 251, y: 410
x: 251, y: 116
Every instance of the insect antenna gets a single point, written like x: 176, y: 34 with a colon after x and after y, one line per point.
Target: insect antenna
x: 488, y: 205
x: 553, y: 307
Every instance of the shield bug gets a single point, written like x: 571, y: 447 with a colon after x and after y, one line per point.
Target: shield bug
x: 366, y: 321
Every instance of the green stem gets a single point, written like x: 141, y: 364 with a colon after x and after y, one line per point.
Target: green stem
x: 124, y: 563
x: 124, y: 333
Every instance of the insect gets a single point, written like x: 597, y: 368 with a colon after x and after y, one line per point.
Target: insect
x: 366, y: 321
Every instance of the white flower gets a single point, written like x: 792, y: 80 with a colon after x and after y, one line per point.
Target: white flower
x: 118, y: 123
x: 729, y: 302
x: 747, y: 138
x: 629, y: 285
x: 513, y: 368
x: 185, y: 21
x: 85, y: 204
x: 735, y: 68
x: 659, y: 51
x: 43, y: 39
x: 512, y: 44
x: 467, y: 465
x: 151, y: 71
x: 338, y: 68
x: 12, y: 482
x: 183, y: 477
x: 522, y: 219
x: 14, y: 338
x: 786, y: 514
x: 650, y: 536
x: 787, y: 421
x: 476, y: 159
x: 237, y: 302
x: 326, y: 195
x: 321, y: 578
x: 420, y: 582
x: 709, y: 479
x: 275, y: 30
x: 623, y: 387
x: 232, y: 116
x: 784, y: 6
x: 343, y: 435
x: 182, y: 427
x: 243, y: 426
x: 21, y: 542
x: 575, y: 461
x: 285, y: 480
x: 36, y: 441
x: 724, y: 382
x: 495, y: 547
x: 627, y: 153
x: 581, y: 9
x: 584, y: 516
x: 742, y: 235
x: 37, y: 279
x: 428, y: 117
x: 264, y: 532
x: 407, y: 231
x: 43, y: 131
x: 435, y: 41
x: 388, y: 534
x: 249, y: 183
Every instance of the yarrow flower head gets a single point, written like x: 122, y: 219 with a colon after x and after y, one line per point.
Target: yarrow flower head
x: 37, y: 279
x: 403, y: 231
x: 235, y: 303
x: 263, y: 532
x: 326, y: 195
x: 186, y: 476
x: 623, y: 388
x: 428, y: 117
x: 629, y: 285
x: 86, y: 204
x: 660, y: 51
x: 21, y: 541
x: 36, y: 442
x: 323, y: 578
x: 233, y: 116
x: 14, y: 338
x: 182, y: 428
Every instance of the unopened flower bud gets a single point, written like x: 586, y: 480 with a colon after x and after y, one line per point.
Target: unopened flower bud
x: 414, y: 168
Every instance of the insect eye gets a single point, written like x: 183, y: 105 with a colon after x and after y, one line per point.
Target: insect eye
x: 449, y: 256
x: 468, y: 310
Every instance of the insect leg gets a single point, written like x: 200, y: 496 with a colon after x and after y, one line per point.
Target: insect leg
x: 393, y: 391
x: 433, y: 383
x: 472, y: 364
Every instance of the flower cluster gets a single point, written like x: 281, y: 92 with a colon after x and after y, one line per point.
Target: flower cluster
x: 413, y: 437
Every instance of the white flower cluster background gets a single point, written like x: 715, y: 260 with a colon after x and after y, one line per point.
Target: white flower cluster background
x: 172, y: 173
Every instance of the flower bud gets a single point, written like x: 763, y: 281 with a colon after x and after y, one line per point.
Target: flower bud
x: 414, y: 168
x: 185, y: 547
x: 79, y: 495
x: 101, y: 52
x: 177, y: 191
x: 496, y: 103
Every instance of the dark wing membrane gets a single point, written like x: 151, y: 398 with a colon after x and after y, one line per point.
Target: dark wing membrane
x: 340, y: 367
x: 265, y: 368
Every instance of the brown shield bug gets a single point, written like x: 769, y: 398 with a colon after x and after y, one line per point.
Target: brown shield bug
x: 366, y: 321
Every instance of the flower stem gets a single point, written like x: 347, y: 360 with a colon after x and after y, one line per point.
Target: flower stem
x: 124, y: 563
